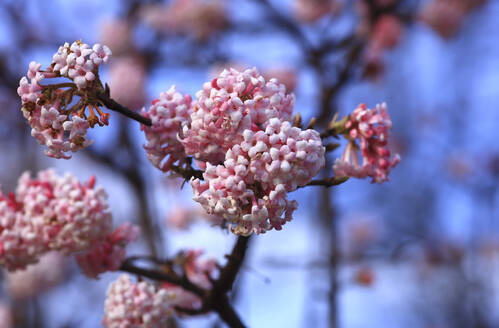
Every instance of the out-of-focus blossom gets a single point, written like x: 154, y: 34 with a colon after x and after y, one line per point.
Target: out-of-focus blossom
x: 108, y: 254
x: 200, y: 271
x: 443, y: 252
x: 459, y: 166
x: 310, y: 11
x: 182, y: 217
x: 359, y: 233
x: 386, y: 32
x: 51, y: 212
x: 127, y: 81
x: 117, y: 35
x: 37, y: 278
x: 446, y: 16
x: 141, y: 304
x: 443, y: 16
x: 197, y: 18
x: 364, y: 276
x: 6, y: 320
x: 55, y: 121
x: 168, y: 114
x: 284, y: 75
x: 371, y: 128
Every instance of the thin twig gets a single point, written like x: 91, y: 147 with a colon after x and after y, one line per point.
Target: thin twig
x: 113, y: 105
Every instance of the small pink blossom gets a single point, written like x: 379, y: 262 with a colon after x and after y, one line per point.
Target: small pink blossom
x: 117, y: 35
x: 371, y: 128
x: 140, y: 304
x: 284, y: 75
x: 182, y: 217
x: 444, y: 16
x: 386, y: 32
x: 46, y: 108
x: 127, y: 81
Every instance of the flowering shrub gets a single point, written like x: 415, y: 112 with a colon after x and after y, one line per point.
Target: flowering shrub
x: 52, y: 213
x: 237, y: 143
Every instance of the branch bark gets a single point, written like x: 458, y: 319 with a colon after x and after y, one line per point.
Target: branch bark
x: 111, y: 104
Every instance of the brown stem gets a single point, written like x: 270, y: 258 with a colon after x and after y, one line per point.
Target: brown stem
x: 231, y: 269
x: 113, y: 105
x: 162, y: 276
x: 327, y: 182
x: 214, y: 299
x: 228, y: 314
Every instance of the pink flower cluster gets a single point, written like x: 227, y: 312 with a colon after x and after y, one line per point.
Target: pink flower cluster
x: 117, y: 35
x: 37, y: 278
x: 143, y: 304
x: 54, y: 120
x: 168, y: 114
x: 250, y: 188
x: 140, y: 304
x: 79, y: 62
x: 197, y: 18
x: 371, y: 128
x: 239, y: 133
x: 109, y: 253
x: 54, y: 213
x: 233, y: 102
x: 127, y: 81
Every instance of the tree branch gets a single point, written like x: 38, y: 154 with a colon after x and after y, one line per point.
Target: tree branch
x: 214, y: 299
x: 113, y: 105
x: 231, y: 269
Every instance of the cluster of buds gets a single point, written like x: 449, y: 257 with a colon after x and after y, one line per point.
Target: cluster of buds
x: 140, y: 304
x: 197, y: 18
x: 51, y: 213
x: 371, y: 128
x: 57, y: 119
x: 239, y: 133
x: 144, y: 304
x: 168, y: 115
x: 251, y: 153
